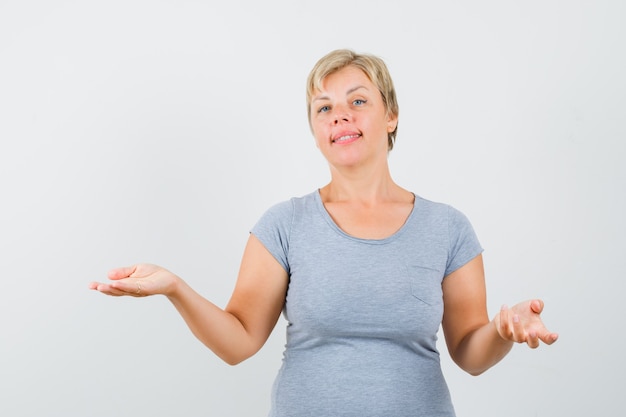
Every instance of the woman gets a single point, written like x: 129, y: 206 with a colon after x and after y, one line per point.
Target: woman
x: 364, y: 270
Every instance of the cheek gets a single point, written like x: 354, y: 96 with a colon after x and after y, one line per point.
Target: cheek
x: 316, y: 135
x: 317, y: 142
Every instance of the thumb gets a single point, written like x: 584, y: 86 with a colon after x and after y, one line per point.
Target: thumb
x: 123, y: 272
x: 536, y: 306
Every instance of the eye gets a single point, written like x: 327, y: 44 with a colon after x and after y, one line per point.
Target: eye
x: 323, y: 109
x: 359, y: 102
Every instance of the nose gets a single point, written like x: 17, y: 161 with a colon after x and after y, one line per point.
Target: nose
x: 340, y: 115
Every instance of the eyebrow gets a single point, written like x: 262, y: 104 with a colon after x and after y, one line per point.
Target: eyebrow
x: 350, y: 91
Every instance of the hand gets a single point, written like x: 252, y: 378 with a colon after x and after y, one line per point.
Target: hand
x: 522, y: 324
x: 137, y: 281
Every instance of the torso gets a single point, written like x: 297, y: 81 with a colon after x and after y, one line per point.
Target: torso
x: 363, y: 313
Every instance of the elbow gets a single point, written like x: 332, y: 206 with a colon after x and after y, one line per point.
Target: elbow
x: 475, y: 372
x: 233, y: 358
x: 474, y: 369
x: 233, y: 361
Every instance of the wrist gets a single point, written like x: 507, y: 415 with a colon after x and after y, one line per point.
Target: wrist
x: 496, y: 325
x: 174, y: 288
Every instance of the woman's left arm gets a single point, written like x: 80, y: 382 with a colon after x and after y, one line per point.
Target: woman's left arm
x: 474, y: 342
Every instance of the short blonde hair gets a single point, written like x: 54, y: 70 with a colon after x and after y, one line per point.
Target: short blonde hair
x: 371, y: 65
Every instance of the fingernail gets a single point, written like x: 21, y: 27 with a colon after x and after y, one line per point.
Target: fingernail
x: 516, y: 319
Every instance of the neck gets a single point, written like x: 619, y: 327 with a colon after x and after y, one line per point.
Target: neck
x: 366, y: 185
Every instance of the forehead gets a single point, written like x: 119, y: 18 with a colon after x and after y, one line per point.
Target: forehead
x: 345, y: 80
x: 346, y: 75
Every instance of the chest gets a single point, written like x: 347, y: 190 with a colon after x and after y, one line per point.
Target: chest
x: 369, y: 222
x: 345, y: 288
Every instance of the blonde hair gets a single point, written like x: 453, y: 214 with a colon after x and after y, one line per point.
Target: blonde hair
x: 371, y: 65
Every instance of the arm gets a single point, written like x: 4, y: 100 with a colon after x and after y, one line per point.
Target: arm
x: 234, y: 333
x: 474, y: 342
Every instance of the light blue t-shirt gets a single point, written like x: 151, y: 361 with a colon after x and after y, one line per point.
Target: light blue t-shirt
x: 363, y: 314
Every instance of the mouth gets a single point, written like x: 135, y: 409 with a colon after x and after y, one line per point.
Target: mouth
x: 346, y: 138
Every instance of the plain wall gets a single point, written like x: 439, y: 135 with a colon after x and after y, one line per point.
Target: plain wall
x: 159, y: 131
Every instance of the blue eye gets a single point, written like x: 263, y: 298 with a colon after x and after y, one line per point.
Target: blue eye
x: 359, y: 102
x: 323, y: 109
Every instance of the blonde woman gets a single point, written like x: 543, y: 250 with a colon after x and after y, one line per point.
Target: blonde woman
x: 364, y: 271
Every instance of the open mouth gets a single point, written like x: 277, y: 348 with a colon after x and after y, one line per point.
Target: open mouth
x: 346, y: 138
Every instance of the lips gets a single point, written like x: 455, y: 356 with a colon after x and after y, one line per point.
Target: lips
x: 345, y: 137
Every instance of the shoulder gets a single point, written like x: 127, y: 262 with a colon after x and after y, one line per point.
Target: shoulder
x: 283, y: 212
x: 287, y: 207
x: 436, y: 209
x: 443, y: 218
x: 454, y: 228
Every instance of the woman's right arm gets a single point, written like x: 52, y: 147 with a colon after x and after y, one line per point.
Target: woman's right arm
x: 234, y: 333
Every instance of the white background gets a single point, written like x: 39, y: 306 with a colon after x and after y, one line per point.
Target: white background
x: 159, y: 131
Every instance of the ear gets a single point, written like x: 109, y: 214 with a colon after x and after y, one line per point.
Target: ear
x: 392, y: 123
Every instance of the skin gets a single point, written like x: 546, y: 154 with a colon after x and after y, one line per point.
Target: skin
x: 350, y: 125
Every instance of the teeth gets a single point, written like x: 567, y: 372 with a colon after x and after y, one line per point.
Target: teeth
x: 345, y: 138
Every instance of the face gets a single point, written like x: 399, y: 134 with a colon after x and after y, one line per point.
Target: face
x: 349, y: 119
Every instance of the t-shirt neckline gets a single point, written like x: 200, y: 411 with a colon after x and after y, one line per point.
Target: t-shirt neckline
x: 326, y: 215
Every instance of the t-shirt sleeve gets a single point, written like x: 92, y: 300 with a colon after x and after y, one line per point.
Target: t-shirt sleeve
x: 273, y: 229
x: 463, y: 242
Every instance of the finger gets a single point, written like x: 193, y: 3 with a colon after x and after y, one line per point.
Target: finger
x: 505, y: 328
x: 108, y: 289
x: 549, y: 338
x: 536, y: 306
x: 533, y: 339
x: 123, y: 272
x: 131, y: 287
x: 519, y: 334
